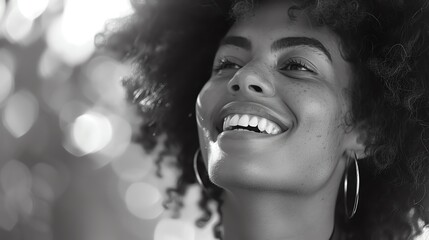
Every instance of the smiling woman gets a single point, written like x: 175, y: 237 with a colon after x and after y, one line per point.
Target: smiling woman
x: 291, y: 74
x: 311, y: 116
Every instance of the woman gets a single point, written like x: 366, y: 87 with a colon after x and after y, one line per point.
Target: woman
x: 312, y: 116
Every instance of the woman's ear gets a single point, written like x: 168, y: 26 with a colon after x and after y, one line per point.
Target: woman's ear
x: 356, y: 140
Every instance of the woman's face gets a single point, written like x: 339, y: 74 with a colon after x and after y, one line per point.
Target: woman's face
x: 272, y: 115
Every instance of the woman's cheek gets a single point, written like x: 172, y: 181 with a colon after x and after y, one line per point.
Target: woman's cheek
x: 320, y: 117
x: 208, y: 102
x: 204, y: 104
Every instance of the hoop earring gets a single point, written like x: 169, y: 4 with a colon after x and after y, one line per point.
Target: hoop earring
x: 356, y: 199
x: 197, y: 173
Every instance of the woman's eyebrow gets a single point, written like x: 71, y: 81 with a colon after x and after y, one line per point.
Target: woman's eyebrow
x: 237, y: 41
x: 287, y: 42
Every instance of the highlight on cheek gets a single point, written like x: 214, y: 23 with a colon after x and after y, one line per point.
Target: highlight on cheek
x: 320, y: 110
x: 214, y: 152
x: 198, y: 102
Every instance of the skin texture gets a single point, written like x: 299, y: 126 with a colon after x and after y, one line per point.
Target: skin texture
x: 279, y: 186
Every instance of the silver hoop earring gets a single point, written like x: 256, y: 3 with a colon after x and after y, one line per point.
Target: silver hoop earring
x: 197, y: 173
x: 356, y: 199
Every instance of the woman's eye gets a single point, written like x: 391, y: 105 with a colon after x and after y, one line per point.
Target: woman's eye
x: 225, y: 64
x: 296, y: 65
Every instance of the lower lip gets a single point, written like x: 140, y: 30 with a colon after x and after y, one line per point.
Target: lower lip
x: 248, y: 142
x: 243, y: 135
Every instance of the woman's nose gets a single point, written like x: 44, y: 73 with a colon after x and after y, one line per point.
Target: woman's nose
x: 249, y: 82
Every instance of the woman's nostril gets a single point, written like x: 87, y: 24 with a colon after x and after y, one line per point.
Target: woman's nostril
x: 255, y: 88
x: 250, y: 87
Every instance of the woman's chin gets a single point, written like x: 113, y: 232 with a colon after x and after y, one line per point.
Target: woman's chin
x: 244, y: 183
x: 246, y: 173
x: 264, y: 172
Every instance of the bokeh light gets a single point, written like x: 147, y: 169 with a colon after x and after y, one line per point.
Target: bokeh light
x: 91, y: 132
x: 174, y: 229
x: 82, y: 23
x: 20, y: 113
x: 17, y: 27
x: 70, y: 111
x: 8, y: 59
x: 16, y: 182
x: 104, y: 74
x: 52, y: 68
x: 117, y: 145
x: 2, y: 8
x: 80, y: 30
x: 8, y: 216
x: 7, y: 73
x: 41, y: 220
x: 121, y: 137
x: 55, y: 6
x: 68, y: 51
x: 15, y: 177
x: 45, y: 177
x: 144, y: 200
x: 71, y: 35
x: 7, y: 82
x: 32, y: 9
x: 134, y: 164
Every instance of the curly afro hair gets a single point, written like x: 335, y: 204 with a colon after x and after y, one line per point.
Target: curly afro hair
x: 386, y: 42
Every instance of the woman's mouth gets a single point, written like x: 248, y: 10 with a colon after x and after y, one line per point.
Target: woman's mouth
x: 247, y: 122
x: 239, y: 118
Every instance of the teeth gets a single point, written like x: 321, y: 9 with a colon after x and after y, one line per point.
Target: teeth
x: 275, y: 130
x: 244, y: 121
x: 269, y: 127
x: 264, y: 125
x: 253, y: 121
x: 234, y: 120
x: 225, y: 122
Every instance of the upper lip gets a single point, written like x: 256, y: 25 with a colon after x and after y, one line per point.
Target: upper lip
x: 252, y: 108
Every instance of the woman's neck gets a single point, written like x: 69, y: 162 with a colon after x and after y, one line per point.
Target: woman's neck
x: 252, y: 215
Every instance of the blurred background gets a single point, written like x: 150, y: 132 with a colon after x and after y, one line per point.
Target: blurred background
x: 68, y: 167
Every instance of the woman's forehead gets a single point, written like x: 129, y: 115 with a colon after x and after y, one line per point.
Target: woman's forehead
x: 271, y: 16
x: 272, y: 22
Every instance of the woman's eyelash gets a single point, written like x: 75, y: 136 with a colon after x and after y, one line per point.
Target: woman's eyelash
x: 296, y: 65
x: 225, y: 64
x: 291, y: 65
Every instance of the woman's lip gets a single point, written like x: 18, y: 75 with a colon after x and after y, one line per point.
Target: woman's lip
x: 251, y: 108
x: 238, y: 136
x: 234, y: 134
x: 241, y: 133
